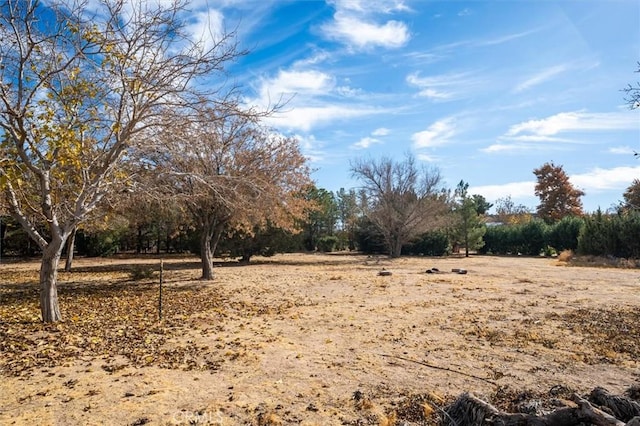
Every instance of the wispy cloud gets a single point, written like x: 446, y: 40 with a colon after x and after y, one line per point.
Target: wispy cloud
x: 506, y: 38
x: 373, y: 139
x: 444, y: 86
x: 381, y: 131
x: 623, y: 150
x: 306, y: 118
x: 543, y: 134
x: 516, y: 147
x: 312, y: 99
x: 206, y: 27
x: 438, y: 134
x: 600, y: 179
x: 292, y: 82
x: 366, y: 142
x: 368, y: 6
x: 576, y: 121
x: 519, y: 191
x: 311, y: 148
x: 540, y: 77
x: 355, y: 26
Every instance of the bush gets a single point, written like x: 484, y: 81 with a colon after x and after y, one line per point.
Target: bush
x: 611, y: 235
x: 98, y: 244
x: 141, y: 272
x: 368, y: 238
x: 599, y: 236
x: 327, y: 243
x: 533, y: 237
x: 433, y: 243
x: 565, y: 256
x: 564, y: 234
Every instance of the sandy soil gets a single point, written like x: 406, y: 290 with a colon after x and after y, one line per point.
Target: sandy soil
x: 295, y: 337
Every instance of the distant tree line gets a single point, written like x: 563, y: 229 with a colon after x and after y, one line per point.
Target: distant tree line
x: 343, y: 220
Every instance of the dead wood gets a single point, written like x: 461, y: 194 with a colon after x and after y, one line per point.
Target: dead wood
x: 469, y: 410
x: 621, y: 407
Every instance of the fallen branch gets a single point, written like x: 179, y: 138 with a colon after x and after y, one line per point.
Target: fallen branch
x: 437, y: 367
x: 622, y: 407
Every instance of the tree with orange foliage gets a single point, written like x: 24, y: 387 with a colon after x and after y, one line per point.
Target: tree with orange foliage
x: 632, y: 196
x: 558, y: 197
x: 229, y: 173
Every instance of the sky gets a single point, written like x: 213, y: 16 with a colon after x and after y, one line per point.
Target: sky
x: 484, y: 91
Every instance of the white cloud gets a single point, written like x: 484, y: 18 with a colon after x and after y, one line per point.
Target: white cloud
x: 288, y: 83
x: 206, y: 27
x: 520, y: 147
x: 624, y: 150
x: 311, y: 148
x: 365, y: 142
x: 519, y: 191
x: 594, y: 181
x: 441, y: 87
x: 354, y: 24
x: 506, y: 38
x: 368, y: 6
x: 576, y: 121
x: 604, y: 179
x: 305, y: 118
x: 464, y: 12
x: 347, y: 91
x: 358, y: 33
x: 541, y: 77
x: 382, y: 131
x: 437, y: 134
x: 427, y: 158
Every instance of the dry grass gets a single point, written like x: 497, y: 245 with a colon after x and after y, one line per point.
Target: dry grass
x: 310, y: 339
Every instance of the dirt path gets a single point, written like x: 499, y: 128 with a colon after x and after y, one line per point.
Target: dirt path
x: 297, y: 335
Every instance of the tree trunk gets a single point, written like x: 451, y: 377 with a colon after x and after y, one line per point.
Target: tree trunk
x: 139, y: 240
x: 71, y: 245
x: 396, y: 248
x: 206, y: 254
x: 211, y: 234
x: 49, y: 307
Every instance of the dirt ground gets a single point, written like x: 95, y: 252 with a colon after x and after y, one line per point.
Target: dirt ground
x: 310, y: 339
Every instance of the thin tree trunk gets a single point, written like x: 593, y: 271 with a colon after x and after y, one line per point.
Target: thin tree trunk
x: 49, y: 307
x: 71, y: 245
x: 139, y: 240
x: 466, y: 237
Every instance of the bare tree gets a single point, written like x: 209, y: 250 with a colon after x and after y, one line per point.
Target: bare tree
x: 510, y: 213
x: 78, y: 89
x: 633, y: 93
x: 403, y: 200
x: 231, y: 174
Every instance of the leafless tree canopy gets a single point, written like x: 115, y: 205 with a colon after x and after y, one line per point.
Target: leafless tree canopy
x: 404, y: 200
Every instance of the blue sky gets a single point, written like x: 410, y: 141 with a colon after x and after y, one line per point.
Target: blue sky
x: 486, y: 91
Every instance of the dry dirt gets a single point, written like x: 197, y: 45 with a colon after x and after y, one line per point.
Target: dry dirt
x: 310, y: 339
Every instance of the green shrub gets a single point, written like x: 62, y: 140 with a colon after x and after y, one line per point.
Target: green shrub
x: 327, y: 243
x: 433, y: 243
x: 564, y: 234
x: 98, y: 244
